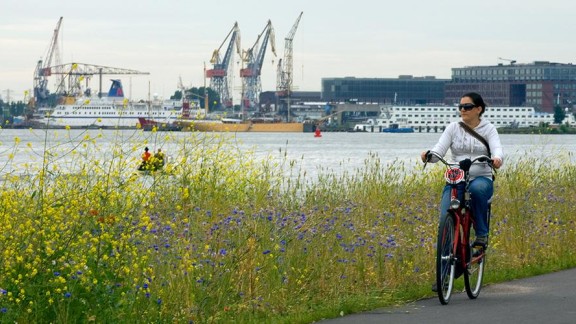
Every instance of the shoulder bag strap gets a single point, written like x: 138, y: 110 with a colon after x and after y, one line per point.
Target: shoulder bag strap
x: 482, y: 140
x: 478, y: 136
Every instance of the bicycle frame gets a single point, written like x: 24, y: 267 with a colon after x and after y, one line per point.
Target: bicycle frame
x: 463, y: 222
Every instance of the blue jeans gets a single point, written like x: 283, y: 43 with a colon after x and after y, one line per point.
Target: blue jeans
x: 481, y: 190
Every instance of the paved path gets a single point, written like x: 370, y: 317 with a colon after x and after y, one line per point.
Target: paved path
x: 549, y: 298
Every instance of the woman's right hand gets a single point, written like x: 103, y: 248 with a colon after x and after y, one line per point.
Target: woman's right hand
x: 423, y: 155
x: 497, y: 162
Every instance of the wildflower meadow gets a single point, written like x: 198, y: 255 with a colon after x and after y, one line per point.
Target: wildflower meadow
x: 219, y: 236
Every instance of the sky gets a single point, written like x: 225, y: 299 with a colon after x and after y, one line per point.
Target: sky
x: 173, y: 39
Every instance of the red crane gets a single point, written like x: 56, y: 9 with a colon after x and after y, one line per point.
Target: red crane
x: 253, y: 57
x: 218, y: 75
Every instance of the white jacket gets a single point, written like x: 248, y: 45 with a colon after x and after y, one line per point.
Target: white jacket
x: 463, y: 145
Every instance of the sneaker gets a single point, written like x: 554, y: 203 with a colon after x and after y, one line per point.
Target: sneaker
x: 481, y: 241
x: 478, y: 251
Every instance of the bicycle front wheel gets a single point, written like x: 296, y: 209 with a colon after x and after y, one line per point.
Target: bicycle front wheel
x: 445, y: 263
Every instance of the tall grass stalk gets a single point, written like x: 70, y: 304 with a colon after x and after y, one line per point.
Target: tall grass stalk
x: 220, y: 236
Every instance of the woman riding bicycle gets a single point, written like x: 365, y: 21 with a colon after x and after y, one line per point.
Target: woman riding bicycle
x: 463, y: 145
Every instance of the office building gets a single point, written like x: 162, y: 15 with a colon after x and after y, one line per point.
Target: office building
x: 404, y: 90
x: 540, y: 84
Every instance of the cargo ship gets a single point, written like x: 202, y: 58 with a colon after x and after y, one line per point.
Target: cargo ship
x: 228, y: 125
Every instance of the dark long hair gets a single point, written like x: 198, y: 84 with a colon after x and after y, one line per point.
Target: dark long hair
x: 477, y: 100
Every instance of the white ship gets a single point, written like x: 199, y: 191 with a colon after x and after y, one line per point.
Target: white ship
x: 114, y: 111
x: 434, y: 118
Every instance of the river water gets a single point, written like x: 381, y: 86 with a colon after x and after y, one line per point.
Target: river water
x: 333, y: 151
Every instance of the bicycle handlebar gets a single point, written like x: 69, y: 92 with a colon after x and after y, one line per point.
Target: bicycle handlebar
x: 464, y: 164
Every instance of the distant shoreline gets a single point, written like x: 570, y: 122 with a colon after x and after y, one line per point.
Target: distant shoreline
x: 538, y: 130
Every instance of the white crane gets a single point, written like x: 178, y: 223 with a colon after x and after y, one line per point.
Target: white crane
x: 43, y: 67
x: 507, y: 60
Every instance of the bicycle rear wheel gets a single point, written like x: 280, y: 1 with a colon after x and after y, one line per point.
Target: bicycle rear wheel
x: 474, y: 272
x: 445, y: 265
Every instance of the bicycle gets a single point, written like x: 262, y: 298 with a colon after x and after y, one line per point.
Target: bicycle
x: 454, y: 251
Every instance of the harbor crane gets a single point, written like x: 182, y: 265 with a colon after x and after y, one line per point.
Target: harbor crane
x: 70, y: 75
x: 74, y: 74
x: 43, y: 71
x: 218, y: 75
x: 253, y: 57
x: 284, y: 76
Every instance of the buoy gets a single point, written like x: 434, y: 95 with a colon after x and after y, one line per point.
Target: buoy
x: 317, y: 133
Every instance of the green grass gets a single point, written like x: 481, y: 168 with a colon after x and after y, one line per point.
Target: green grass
x: 220, y: 236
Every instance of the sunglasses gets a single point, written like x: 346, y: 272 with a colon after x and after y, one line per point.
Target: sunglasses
x: 467, y: 106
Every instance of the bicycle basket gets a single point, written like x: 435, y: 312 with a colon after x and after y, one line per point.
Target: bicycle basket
x: 454, y: 175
